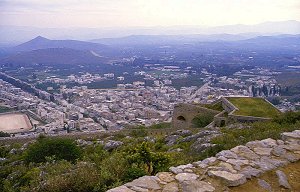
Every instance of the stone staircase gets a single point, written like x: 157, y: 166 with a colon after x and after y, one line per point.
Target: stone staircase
x: 227, y: 169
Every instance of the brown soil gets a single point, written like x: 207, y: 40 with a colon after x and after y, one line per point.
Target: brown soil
x: 292, y: 171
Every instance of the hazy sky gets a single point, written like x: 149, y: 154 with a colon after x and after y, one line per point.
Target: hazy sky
x: 124, y: 13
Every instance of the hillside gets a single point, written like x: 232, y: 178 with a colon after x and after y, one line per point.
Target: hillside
x: 53, y: 56
x: 44, y: 43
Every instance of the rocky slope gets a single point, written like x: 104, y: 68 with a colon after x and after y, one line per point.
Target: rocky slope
x: 229, y: 169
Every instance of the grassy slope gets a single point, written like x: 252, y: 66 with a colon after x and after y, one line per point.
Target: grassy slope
x: 253, y: 107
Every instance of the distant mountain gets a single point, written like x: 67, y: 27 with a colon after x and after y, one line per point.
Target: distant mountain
x: 171, y: 39
x: 44, y: 43
x: 17, y: 34
x: 53, y: 56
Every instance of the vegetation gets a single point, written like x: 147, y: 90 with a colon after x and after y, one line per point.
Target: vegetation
x: 253, y: 107
x: 4, y: 109
x: 282, y: 123
x: 57, y: 149
x: 4, y: 134
x: 55, y: 164
x: 203, y: 119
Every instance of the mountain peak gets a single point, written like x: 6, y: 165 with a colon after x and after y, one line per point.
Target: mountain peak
x: 39, y: 38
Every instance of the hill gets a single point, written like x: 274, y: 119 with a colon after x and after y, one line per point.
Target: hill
x: 44, y: 43
x: 53, y: 56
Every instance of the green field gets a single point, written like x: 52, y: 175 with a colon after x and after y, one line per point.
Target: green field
x: 257, y: 107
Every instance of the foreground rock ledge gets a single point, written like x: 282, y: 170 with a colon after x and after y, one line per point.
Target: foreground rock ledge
x: 229, y: 167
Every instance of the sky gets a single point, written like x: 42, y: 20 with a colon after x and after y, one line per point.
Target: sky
x: 145, y: 13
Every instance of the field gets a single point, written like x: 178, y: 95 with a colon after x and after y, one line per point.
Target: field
x: 14, y: 122
x: 257, y: 107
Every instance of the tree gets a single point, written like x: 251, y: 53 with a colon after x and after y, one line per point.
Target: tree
x: 151, y: 162
x: 55, y: 148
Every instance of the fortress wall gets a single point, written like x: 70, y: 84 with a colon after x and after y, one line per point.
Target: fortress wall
x: 184, y: 114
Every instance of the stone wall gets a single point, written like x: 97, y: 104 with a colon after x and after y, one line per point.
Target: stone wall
x: 184, y: 114
x: 228, y: 168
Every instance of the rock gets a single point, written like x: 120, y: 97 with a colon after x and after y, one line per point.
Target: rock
x: 186, y: 177
x: 262, y: 151
x: 269, y: 142
x: 275, y: 162
x: 175, y: 150
x: 150, y: 139
x: 200, y: 147
x: 182, y: 133
x: 290, y: 136
x: 227, y: 154
x: 291, y: 157
x: 282, y: 179
x: 238, y: 162
x: 229, y: 179
x: 165, y: 176
x: 171, y: 139
x: 278, y: 151
x: 171, y: 187
x: 265, y: 185
x: 200, y: 164
x: 200, y: 134
x: 196, y: 186
x: 81, y: 142
x: 111, y: 144
x: 146, y: 182
x: 13, y: 151
x: 244, y: 152
x: 280, y: 142
x: 175, y: 170
x: 255, y: 144
x: 264, y: 165
x: 249, y: 172
x: 222, y: 158
x: 210, y: 160
x: 121, y: 189
x: 187, y: 166
x: 139, y: 189
x: 227, y: 167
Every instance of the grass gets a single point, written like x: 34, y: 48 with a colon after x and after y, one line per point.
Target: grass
x: 257, y: 107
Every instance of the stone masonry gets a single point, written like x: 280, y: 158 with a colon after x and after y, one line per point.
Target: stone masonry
x: 228, y: 168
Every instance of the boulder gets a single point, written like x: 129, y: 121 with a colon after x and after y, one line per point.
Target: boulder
x: 171, y: 187
x: 262, y: 151
x: 291, y: 136
x: 265, y: 185
x: 146, y: 182
x: 227, y: 154
x: 210, y: 161
x: 245, y: 152
x: 171, y: 139
x: 278, y: 151
x: 229, y: 179
x: 121, y: 189
x: 186, y: 177
x: 175, y: 170
x: 111, y: 144
x: 182, y: 132
x: 165, y: 176
x: 196, y: 186
x: 249, y: 172
x: 282, y: 179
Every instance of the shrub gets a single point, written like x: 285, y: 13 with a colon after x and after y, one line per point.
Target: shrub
x: 57, y: 148
x: 142, y: 157
x: 4, y: 134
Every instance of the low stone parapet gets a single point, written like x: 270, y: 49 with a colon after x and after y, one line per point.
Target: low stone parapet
x: 228, y: 168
